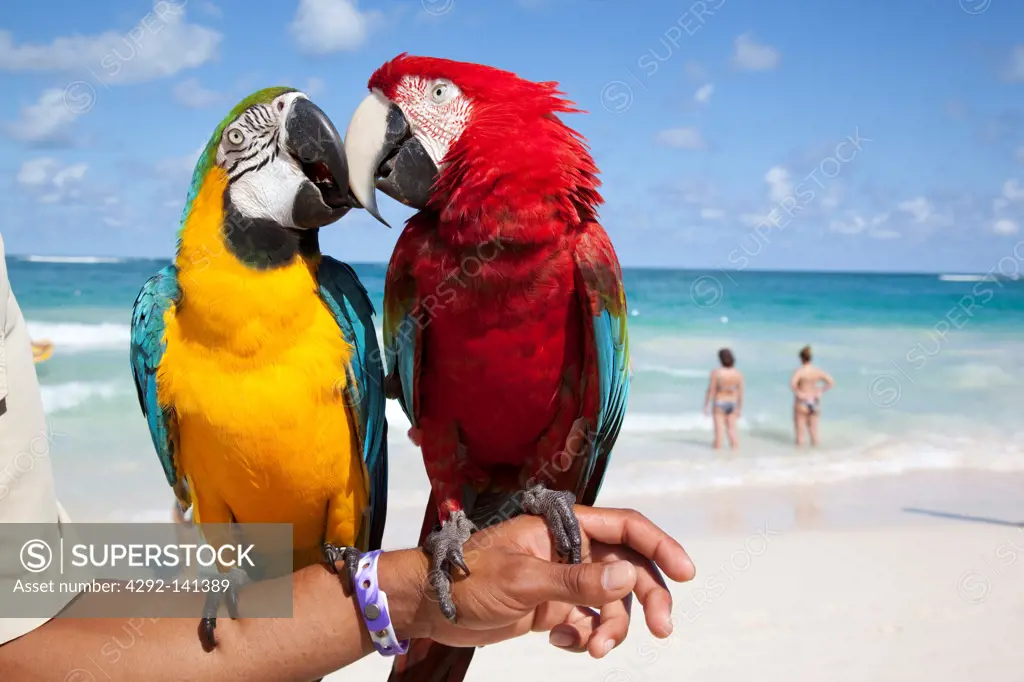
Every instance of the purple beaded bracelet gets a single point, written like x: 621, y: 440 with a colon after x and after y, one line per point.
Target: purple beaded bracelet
x: 373, y: 604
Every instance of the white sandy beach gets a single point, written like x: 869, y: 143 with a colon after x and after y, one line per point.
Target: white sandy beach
x: 905, y: 578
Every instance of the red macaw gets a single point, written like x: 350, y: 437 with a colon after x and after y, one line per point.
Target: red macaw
x: 504, y: 307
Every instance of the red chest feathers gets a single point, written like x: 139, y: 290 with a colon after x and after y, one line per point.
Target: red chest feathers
x: 502, y: 349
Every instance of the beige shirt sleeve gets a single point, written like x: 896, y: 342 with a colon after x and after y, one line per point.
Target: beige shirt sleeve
x: 26, y: 478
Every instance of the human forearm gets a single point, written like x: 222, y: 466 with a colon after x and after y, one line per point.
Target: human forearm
x: 325, y: 633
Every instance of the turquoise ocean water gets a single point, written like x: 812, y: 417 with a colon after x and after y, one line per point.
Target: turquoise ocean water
x: 928, y: 370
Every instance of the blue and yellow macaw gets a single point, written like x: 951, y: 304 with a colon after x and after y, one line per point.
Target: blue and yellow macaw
x: 254, y: 356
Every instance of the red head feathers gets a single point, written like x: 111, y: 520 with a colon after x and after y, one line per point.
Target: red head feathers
x: 494, y: 139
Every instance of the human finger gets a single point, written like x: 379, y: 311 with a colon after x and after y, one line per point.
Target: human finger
x: 630, y: 528
x: 613, y: 627
x: 650, y: 589
x: 574, y: 633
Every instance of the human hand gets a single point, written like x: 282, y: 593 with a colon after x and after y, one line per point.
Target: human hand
x: 516, y: 585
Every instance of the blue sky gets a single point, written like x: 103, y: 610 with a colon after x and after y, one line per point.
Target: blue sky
x: 719, y: 126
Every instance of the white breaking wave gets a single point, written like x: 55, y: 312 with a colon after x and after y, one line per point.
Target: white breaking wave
x: 85, y: 260
x: 634, y: 423
x: 681, y: 372
x: 644, y: 479
x: 640, y: 422
x: 968, y: 278
x: 76, y: 337
x: 70, y: 395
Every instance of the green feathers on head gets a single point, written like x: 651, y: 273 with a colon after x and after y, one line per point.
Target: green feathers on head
x: 209, y: 154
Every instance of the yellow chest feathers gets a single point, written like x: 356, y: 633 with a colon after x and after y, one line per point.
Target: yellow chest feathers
x: 245, y: 343
x: 254, y: 368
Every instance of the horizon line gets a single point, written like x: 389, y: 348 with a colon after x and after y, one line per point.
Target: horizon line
x: 27, y: 257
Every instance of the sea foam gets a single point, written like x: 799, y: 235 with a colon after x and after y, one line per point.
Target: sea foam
x: 80, y: 260
x: 77, y: 337
x: 69, y: 395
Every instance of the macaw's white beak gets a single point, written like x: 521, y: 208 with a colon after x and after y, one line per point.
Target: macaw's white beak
x: 382, y: 153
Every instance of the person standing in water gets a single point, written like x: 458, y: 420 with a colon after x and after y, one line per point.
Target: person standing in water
x: 725, y: 393
x: 808, y: 383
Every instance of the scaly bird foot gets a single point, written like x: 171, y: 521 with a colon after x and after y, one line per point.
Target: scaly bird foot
x: 445, y: 548
x: 556, y: 508
x: 237, y: 578
x: 349, y: 556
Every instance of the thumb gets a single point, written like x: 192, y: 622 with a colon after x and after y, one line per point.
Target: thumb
x: 590, y: 584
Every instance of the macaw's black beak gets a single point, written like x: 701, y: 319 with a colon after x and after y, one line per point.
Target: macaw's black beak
x: 382, y: 152
x: 312, y: 139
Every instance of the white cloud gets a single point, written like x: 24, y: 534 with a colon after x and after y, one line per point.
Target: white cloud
x: 855, y: 223
x: 1013, y: 190
x: 686, y: 137
x: 712, y: 213
x: 44, y: 121
x: 211, y: 9
x: 1015, y: 70
x: 324, y: 26
x: 190, y: 93
x: 314, y: 86
x: 60, y: 182
x: 36, y: 171
x: 703, y: 94
x: 779, y: 184
x: 831, y: 197
x: 1005, y: 226
x: 751, y: 56
x: 921, y: 211
x: 70, y: 174
x: 161, y: 44
x: 920, y: 208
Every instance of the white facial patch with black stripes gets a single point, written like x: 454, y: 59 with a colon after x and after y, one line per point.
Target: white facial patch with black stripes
x: 263, y: 178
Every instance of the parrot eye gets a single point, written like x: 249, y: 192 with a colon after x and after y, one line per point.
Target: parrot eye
x: 442, y: 91
x: 235, y: 136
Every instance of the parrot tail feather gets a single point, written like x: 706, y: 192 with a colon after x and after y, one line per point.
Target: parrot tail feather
x: 428, y: 661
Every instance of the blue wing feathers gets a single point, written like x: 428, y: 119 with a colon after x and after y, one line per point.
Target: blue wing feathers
x: 613, y: 373
x: 147, y: 350
x: 405, y: 357
x: 400, y: 348
x: 610, y: 344
x: 347, y: 299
